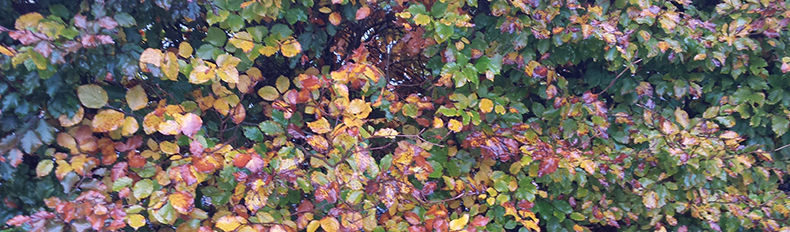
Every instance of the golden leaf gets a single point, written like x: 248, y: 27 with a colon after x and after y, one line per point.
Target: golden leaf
x: 387, y: 132
x: 320, y: 126
x: 486, y: 105
x: 92, y: 96
x: 151, y: 122
x: 267, y: 50
x: 67, y: 122
x: 359, y: 108
x: 44, y: 167
x: 459, y: 223
x: 185, y: 49
x: 268, y: 93
x: 182, y: 201
x: 136, y: 97
x: 335, y: 18
x: 650, y: 200
x: 107, y: 120
x: 290, y: 48
x: 313, y: 226
x: 242, y: 40
x: 130, y: 126
x: 170, y: 66
x: 201, y: 73
x: 437, y: 122
x: 27, y: 20
x: 135, y: 221
x: 5, y: 51
x: 169, y: 148
x: 151, y: 56
x: 330, y: 224
x: 230, y: 223
x: 455, y: 125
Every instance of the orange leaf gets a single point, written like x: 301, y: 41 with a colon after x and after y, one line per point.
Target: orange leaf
x: 335, y: 18
x: 107, y: 120
x: 238, y: 114
x: 67, y: 122
x: 363, y: 12
x: 182, y: 201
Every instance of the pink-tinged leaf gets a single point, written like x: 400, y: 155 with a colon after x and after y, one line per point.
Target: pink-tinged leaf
x: 44, y: 48
x: 108, y: 23
x: 18, y: 220
x: 195, y: 147
x: 480, y: 221
x: 363, y: 12
x: 88, y: 41
x: 15, y: 157
x: 81, y: 21
x: 104, y: 39
x: 24, y: 37
x: 190, y: 124
x: 255, y: 164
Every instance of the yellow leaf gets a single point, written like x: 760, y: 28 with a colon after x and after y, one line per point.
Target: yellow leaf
x: 313, y: 226
x: 44, y: 167
x: 359, y: 108
x: 185, y: 49
x: 67, y: 122
x: 486, y: 105
x: 268, y: 93
x: 201, y: 72
x: 578, y: 228
x: 169, y: 127
x: 222, y: 107
x: 387, y: 132
x: 130, y: 126
x: 650, y: 200
x: 588, y: 165
x: 455, y: 125
x: 290, y: 48
x: 169, y: 148
x: 283, y: 83
x: 245, y: 84
x: 230, y: 223
x: 459, y: 223
x: 499, y: 109
x: 151, y: 122
x: 170, y: 66
x: 319, y: 126
x: 28, y: 20
x: 183, y: 202
x: 335, y: 18
x: 242, y: 40
x: 437, y: 122
x: 151, y: 56
x: 92, y: 96
x: 63, y: 169
x: 255, y: 74
x: 422, y: 20
x: 135, y: 221
x: 330, y: 224
x: 267, y: 50
x: 700, y: 56
x: 136, y: 98
x: 5, y: 51
x: 325, y: 10
x: 107, y: 120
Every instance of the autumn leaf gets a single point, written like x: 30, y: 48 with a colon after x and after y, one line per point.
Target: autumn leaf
x: 169, y: 148
x: 151, y: 56
x: 27, y: 20
x: 454, y: 125
x: 65, y: 121
x: 283, y: 84
x: 182, y: 201
x: 130, y: 127
x: 242, y: 40
x: 185, y: 49
x: 650, y: 200
x: 387, y: 133
x: 330, y: 224
x: 268, y: 93
x: 459, y: 223
x: 170, y: 66
x: 363, y: 12
x: 135, y: 220
x: 107, y: 120
x: 486, y: 105
x: 320, y: 126
x: 335, y: 18
x: 92, y: 96
x: 190, y: 124
x: 7, y: 51
x: 136, y: 97
x: 44, y: 168
x: 290, y: 48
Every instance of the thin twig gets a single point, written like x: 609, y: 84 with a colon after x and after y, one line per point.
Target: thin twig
x: 618, y: 76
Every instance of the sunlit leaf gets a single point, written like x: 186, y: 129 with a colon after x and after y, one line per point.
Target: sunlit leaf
x: 182, y: 201
x: 330, y: 224
x: 454, y: 125
x: 290, y: 48
x: 136, y: 97
x: 459, y: 223
x: 107, y: 120
x: 230, y: 223
x: 135, y: 220
x: 320, y: 126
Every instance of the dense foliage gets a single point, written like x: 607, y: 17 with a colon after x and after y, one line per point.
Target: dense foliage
x: 343, y: 115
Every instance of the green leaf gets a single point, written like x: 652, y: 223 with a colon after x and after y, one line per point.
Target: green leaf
x: 779, y: 124
x: 143, y: 189
x: 271, y: 128
x: 121, y: 183
x: 30, y: 142
x: 166, y: 215
x: 124, y: 19
x: 216, y: 36
x: 577, y: 216
x: 253, y: 134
